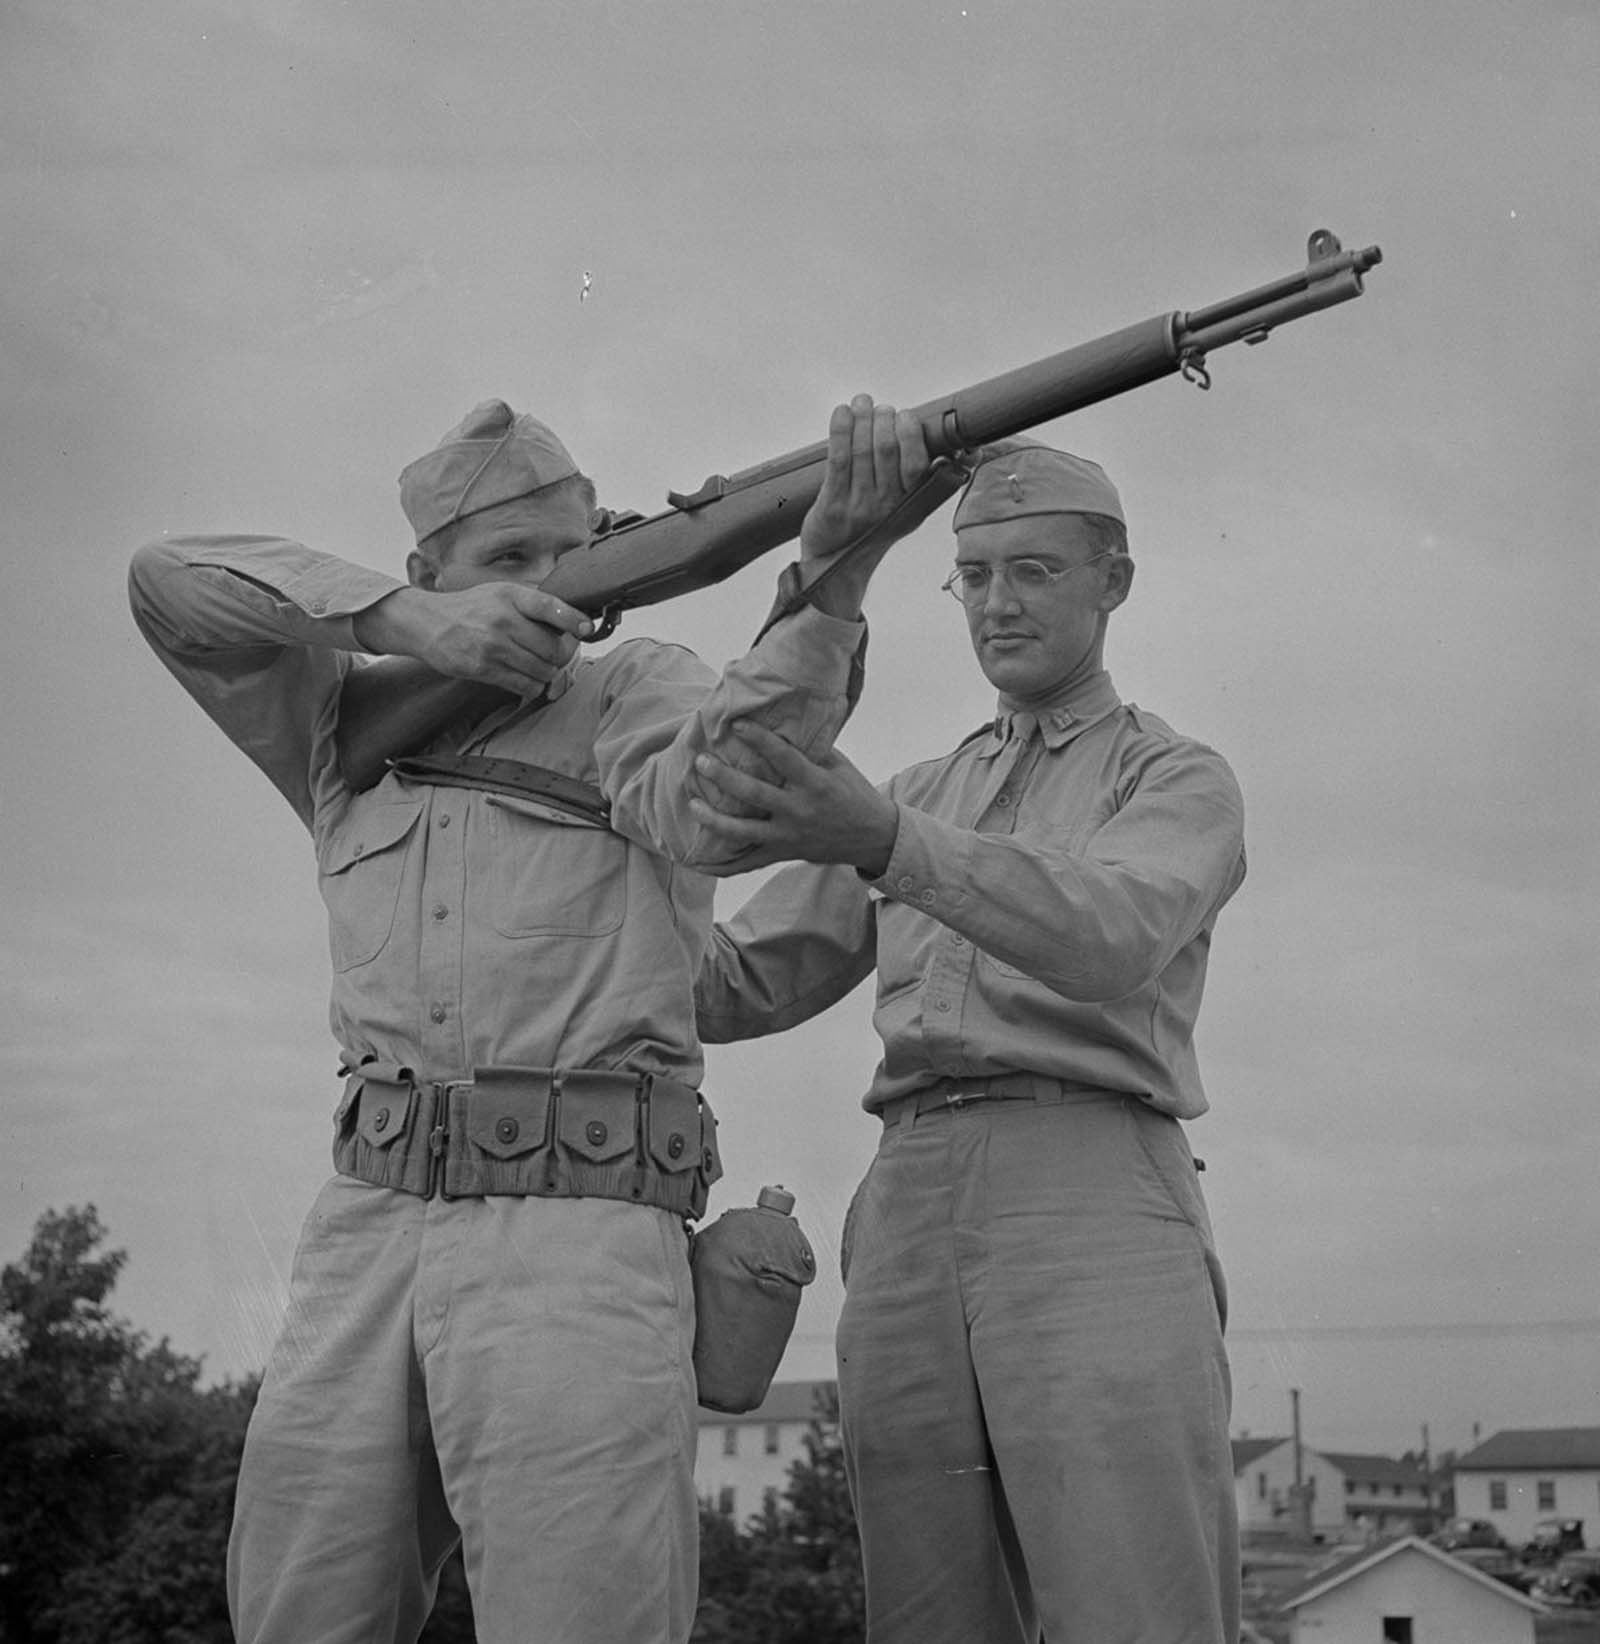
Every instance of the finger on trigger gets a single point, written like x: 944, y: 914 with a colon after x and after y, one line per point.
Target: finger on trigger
x: 554, y: 612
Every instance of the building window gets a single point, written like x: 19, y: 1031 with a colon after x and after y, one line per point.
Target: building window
x: 772, y: 1438
x: 1261, y: 1486
x: 1349, y: 1486
x: 769, y: 1501
x: 1547, y: 1495
x: 1497, y: 1495
x: 1397, y: 1629
x: 730, y: 1441
x: 725, y: 1498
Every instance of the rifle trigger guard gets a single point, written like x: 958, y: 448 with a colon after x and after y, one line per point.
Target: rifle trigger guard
x: 605, y: 624
x: 1192, y: 365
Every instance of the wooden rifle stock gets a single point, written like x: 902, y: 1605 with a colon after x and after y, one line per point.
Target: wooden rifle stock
x: 396, y: 705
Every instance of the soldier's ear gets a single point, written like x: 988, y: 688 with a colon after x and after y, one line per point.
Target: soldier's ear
x: 1119, y: 579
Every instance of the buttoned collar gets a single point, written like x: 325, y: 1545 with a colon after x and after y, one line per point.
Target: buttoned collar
x: 1059, y: 718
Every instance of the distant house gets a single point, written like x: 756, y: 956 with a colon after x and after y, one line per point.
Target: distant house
x: 742, y: 1461
x: 1381, y: 1496
x: 1350, y: 1495
x: 1263, y: 1489
x: 1405, y: 1591
x: 1523, y: 1474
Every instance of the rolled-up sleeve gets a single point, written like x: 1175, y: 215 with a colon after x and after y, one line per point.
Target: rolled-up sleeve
x: 796, y: 681
x: 258, y: 630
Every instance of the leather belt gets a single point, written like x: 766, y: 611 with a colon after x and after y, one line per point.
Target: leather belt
x: 952, y: 1095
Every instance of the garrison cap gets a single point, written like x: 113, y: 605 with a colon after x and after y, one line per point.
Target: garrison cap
x: 490, y: 456
x: 1015, y: 478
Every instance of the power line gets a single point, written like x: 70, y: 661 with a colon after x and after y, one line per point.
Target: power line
x: 1502, y: 1329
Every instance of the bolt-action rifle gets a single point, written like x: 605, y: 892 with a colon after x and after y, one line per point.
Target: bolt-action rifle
x: 396, y: 705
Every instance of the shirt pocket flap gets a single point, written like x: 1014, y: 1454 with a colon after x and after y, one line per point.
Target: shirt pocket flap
x: 369, y: 830
x: 537, y: 811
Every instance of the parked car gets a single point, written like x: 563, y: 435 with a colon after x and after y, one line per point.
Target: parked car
x: 1467, y: 1532
x: 1574, y: 1578
x: 1551, y: 1538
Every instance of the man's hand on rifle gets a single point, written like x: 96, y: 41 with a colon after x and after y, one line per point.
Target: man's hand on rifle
x: 499, y: 633
x: 879, y: 480
x: 814, y: 810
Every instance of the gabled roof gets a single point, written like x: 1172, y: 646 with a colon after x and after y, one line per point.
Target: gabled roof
x: 1549, y: 1449
x: 786, y: 1401
x: 1375, y: 1469
x: 1369, y: 1558
x: 1368, y: 1469
x: 1246, y: 1450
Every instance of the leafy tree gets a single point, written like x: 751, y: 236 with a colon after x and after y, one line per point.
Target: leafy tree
x: 794, y: 1575
x: 117, y: 1488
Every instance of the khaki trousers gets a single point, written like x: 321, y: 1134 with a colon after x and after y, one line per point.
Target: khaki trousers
x: 1033, y: 1389
x: 515, y: 1372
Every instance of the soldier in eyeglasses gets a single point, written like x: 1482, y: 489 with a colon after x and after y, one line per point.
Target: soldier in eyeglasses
x: 1033, y: 1384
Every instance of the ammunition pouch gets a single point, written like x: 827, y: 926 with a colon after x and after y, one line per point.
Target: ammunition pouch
x: 549, y: 1132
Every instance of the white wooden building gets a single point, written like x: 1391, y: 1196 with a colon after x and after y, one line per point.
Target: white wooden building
x: 1406, y: 1591
x: 740, y: 1460
x: 1349, y: 1495
x: 1524, y: 1474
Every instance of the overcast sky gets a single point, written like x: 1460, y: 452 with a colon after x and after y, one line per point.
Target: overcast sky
x: 260, y: 253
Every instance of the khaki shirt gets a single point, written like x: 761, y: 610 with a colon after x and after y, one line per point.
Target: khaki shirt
x: 1047, y: 909
x: 468, y: 929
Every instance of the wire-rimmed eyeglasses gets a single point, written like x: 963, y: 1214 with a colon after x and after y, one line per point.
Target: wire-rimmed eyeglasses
x: 1024, y: 577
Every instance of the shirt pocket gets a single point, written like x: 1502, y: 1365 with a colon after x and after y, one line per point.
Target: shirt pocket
x: 360, y: 864
x: 552, y: 875
x: 1001, y: 968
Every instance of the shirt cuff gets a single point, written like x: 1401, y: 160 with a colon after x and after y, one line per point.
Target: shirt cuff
x: 806, y: 645
x: 339, y: 590
x: 922, y: 847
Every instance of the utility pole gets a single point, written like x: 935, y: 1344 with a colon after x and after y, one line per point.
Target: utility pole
x: 1427, y: 1480
x: 1301, y: 1492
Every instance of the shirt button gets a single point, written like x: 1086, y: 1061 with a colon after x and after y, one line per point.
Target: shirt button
x: 440, y: 911
x: 928, y: 898
x: 941, y: 1004
x: 438, y: 1013
x: 594, y: 1132
x: 505, y: 1130
x: 904, y: 884
x: 444, y: 821
x: 317, y: 607
x: 959, y: 941
x: 359, y: 850
x: 1002, y: 800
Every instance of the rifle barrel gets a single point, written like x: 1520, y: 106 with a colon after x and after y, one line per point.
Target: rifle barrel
x: 394, y: 705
